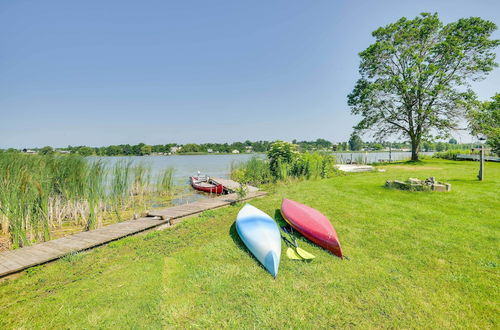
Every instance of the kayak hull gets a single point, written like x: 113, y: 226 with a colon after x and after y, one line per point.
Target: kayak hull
x: 312, y: 224
x: 261, y: 236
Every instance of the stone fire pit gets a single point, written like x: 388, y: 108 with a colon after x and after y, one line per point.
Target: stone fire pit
x: 414, y: 184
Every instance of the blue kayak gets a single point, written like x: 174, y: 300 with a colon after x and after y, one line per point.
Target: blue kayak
x: 261, y: 235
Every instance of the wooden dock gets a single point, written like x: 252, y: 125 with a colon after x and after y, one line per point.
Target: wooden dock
x: 20, y: 259
x: 181, y: 211
x: 232, y: 185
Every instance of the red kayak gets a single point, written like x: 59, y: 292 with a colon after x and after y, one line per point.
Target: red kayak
x: 206, y: 185
x: 311, y: 224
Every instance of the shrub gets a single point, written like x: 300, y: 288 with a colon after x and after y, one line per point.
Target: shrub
x: 281, y: 154
x: 308, y: 166
x: 451, y: 154
x: 255, y: 171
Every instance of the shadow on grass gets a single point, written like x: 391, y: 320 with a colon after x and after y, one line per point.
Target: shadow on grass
x: 468, y: 180
x: 236, y: 237
x: 279, y: 218
x: 298, y: 236
x: 239, y: 243
x: 282, y: 223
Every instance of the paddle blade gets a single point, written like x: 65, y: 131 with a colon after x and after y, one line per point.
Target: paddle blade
x: 304, y: 254
x: 291, y: 254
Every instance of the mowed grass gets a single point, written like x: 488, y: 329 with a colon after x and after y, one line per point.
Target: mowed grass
x: 417, y: 260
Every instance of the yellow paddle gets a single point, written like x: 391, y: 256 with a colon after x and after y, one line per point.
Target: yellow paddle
x: 294, y: 251
x: 292, y: 254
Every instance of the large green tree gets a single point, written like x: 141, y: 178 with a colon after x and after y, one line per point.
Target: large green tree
x: 48, y: 150
x: 485, y: 120
x: 355, y: 142
x: 415, y: 78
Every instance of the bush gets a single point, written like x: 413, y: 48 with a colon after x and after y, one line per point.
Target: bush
x: 314, y: 166
x: 308, y: 166
x: 451, y: 154
x: 281, y: 154
x: 255, y: 171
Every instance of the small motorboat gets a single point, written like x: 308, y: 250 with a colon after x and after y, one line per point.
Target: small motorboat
x: 205, y: 184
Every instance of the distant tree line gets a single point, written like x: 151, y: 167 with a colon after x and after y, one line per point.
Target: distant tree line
x: 355, y: 143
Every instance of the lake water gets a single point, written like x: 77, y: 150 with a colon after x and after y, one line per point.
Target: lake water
x: 374, y: 157
x: 185, y: 166
x: 220, y: 165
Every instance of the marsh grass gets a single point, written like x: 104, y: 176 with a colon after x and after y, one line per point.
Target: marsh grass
x: 41, y: 193
x: 165, y: 181
x: 254, y: 171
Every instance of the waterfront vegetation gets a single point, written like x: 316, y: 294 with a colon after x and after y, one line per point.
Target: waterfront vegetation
x: 284, y: 162
x: 417, y: 260
x: 453, y: 154
x: 41, y: 194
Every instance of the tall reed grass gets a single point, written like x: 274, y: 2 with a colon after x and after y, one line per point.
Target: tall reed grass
x: 165, y: 181
x: 39, y: 193
x: 254, y: 171
x: 453, y: 154
x: 307, y: 166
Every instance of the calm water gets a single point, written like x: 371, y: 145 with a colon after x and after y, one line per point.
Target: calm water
x: 185, y: 166
x: 374, y: 157
x: 220, y: 165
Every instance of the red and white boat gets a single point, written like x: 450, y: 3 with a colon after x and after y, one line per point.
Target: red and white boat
x: 205, y: 184
x: 312, y: 224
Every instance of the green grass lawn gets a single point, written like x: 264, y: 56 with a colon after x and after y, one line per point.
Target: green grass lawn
x: 417, y: 260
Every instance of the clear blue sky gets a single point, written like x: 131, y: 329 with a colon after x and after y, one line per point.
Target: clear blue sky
x: 111, y: 72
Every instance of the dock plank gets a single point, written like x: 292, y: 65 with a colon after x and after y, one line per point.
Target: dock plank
x: 200, y: 206
x: 232, y: 185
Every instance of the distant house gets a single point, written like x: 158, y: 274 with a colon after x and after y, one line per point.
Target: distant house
x: 63, y: 151
x: 175, y: 149
x: 210, y: 150
x: 235, y: 151
x: 248, y: 148
x: 29, y: 151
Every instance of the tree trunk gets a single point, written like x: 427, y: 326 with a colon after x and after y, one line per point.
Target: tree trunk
x: 415, y: 146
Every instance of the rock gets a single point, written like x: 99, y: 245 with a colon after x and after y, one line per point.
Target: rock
x: 416, y: 187
x: 430, y: 180
x: 414, y: 181
x: 399, y: 184
x: 438, y: 187
x: 414, y: 184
